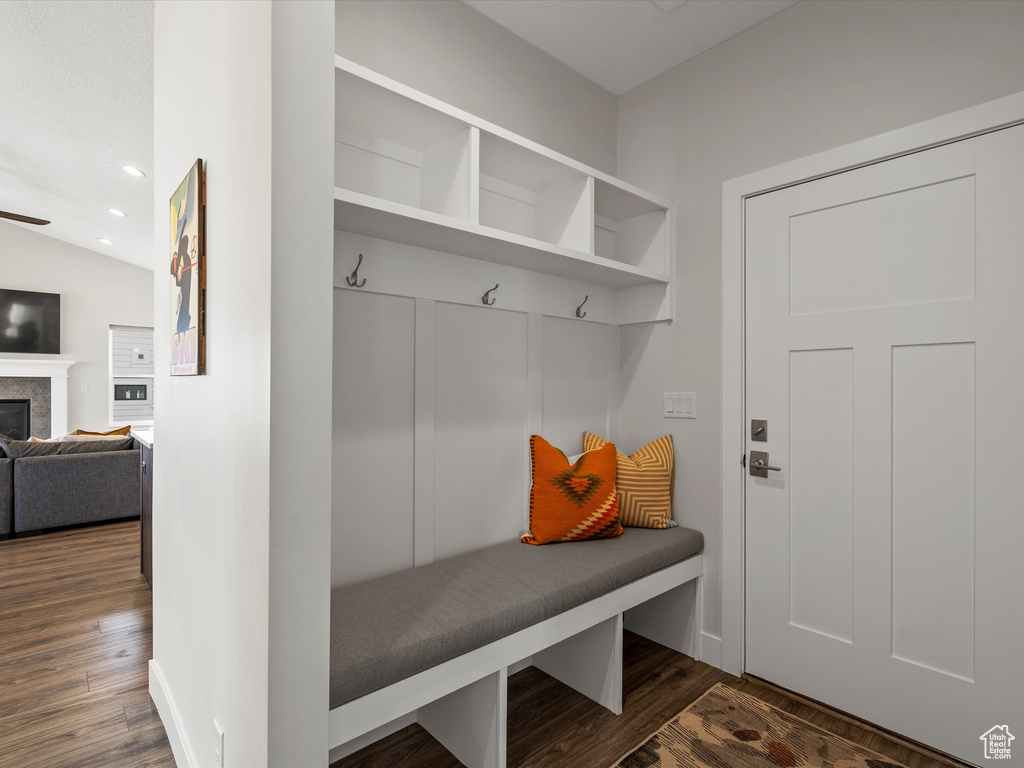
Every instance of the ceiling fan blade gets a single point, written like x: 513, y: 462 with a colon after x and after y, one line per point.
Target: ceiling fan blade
x: 25, y: 219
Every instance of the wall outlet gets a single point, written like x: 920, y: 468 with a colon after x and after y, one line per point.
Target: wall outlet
x: 218, y: 745
x: 680, y: 405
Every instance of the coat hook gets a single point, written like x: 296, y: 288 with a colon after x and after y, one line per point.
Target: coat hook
x: 353, y: 279
x: 583, y: 314
x: 487, y: 295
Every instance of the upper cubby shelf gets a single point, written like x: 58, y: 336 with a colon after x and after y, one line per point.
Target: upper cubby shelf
x: 412, y: 169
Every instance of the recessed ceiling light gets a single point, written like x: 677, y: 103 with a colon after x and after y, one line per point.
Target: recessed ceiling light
x: 105, y: 241
x: 132, y: 171
x: 117, y: 212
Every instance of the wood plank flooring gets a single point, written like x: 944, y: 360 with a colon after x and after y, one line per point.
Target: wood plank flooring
x: 552, y: 726
x: 75, y: 642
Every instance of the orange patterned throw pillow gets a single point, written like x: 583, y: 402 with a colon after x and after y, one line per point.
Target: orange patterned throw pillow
x: 644, y: 482
x: 572, y: 503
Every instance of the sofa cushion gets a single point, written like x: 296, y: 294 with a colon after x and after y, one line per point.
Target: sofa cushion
x: 53, y: 491
x: 572, y: 502
x: 23, y: 449
x: 6, y: 496
x: 390, y: 628
x: 96, y: 446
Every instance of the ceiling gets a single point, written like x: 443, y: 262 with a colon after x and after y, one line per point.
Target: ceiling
x: 620, y: 44
x: 76, y: 104
x: 77, y: 93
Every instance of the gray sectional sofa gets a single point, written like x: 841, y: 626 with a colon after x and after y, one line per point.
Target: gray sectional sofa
x: 39, y: 492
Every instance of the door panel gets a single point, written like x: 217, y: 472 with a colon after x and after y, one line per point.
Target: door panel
x: 883, y: 346
x: 933, y: 506
x: 821, y: 490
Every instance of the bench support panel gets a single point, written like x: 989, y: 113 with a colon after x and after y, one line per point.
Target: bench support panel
x: 671, y: 619
x: 590, y: 662
x: 471, y: 722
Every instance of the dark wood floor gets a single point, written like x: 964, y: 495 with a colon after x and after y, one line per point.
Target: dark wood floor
x: 76, y: 637
x: 75, y: 643
x: 552, y: 726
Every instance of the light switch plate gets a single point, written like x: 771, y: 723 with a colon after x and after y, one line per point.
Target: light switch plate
x: 680, y: 405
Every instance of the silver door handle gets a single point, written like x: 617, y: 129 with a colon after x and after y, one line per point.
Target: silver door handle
x: 759, y: 465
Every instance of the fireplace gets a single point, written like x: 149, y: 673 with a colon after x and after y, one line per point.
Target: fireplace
x: 45, y: 383
x: 15, y: 419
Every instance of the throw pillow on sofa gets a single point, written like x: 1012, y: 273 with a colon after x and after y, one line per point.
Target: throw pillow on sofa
x: 572, y: 502
x: 73, y: 438
x: 24, y: 449
x: 95, y: 446
x: 118, y: 431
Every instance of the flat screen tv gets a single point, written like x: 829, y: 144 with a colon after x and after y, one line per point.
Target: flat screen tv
x: 29, y: 322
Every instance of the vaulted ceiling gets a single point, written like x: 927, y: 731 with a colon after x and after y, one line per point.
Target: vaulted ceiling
x: 76, y: 104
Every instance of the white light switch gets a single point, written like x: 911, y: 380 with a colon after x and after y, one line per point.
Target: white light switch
x: 680, y: 405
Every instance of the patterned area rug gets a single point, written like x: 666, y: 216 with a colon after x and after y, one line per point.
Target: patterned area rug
x: 728, y: 729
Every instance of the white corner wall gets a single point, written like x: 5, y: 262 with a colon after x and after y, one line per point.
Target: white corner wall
x: 301, y: 385
x: 241, y: 510
x: 818, y: 75
x: 454, y: 53
x: 96, y: 292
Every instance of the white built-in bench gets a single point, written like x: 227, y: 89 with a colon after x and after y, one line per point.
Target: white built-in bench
x: 435, y: 643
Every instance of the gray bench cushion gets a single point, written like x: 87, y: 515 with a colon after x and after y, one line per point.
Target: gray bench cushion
x: 390, y: 628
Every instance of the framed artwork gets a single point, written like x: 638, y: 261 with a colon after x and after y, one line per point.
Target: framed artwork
x: 188, y: 274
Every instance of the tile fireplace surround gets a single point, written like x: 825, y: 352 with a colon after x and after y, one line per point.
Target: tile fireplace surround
x: 54, y: 369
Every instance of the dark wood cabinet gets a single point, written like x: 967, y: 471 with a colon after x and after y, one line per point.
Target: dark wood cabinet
x: 147, y: 514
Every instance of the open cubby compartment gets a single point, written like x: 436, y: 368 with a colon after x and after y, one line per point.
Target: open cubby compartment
x: 391, y: 147
x: 530, y: 194
x: 629, y: 228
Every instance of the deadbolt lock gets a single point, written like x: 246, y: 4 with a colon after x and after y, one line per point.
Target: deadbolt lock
x: 759, y: 430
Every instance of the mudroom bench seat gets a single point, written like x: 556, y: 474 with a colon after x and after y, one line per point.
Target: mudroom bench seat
x: 434, y: 644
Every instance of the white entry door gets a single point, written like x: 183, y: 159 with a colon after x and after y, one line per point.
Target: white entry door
x: 885, y: 350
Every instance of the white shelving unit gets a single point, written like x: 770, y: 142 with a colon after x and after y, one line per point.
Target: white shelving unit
x: 413, y: 170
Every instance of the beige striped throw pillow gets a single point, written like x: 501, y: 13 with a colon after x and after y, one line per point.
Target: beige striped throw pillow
x: 644, y: 482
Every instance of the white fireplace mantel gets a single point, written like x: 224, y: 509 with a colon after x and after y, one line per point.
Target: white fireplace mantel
x: 53, y: 368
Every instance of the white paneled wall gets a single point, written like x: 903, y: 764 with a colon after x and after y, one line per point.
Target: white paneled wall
x: 580, y: 381
x: 480, y: 417
x: 434, y: 405
x: 373, y: 435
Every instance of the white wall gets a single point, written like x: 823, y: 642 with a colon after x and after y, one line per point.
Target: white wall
x: 816, y: 76
x: 434, y: 407
x: 458, y: 55
x: 96, y: 292
x: 236, y: 636
x: 301, y: 381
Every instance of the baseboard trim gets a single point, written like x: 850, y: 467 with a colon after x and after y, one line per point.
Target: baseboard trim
x: 160, y: 692
x: 711, y: 650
